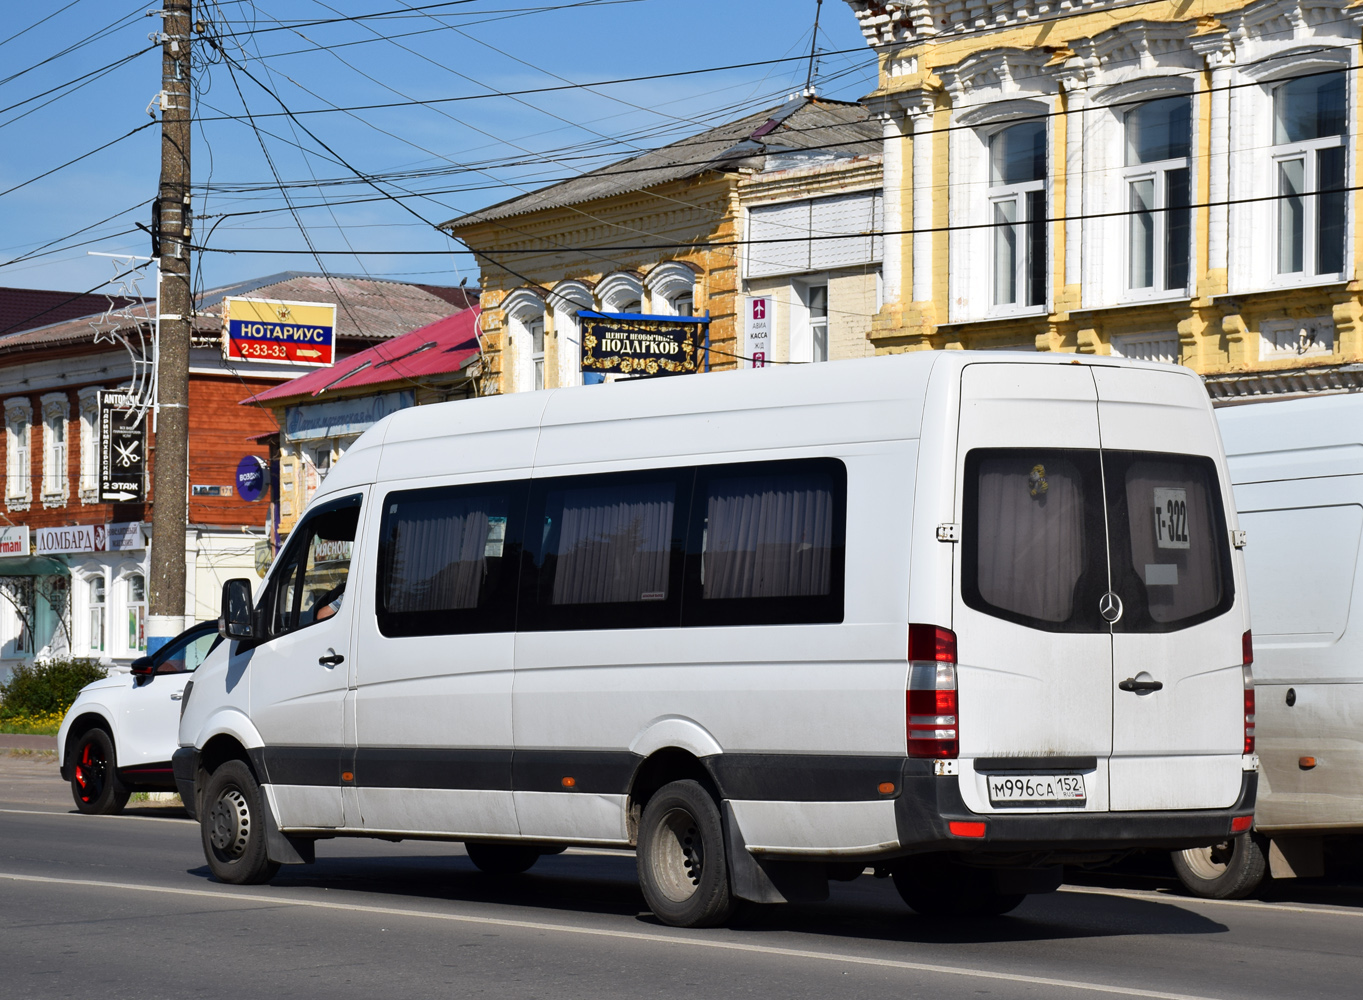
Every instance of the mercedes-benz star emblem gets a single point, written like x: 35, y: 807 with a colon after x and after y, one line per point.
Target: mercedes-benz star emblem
x: 1110, y: 607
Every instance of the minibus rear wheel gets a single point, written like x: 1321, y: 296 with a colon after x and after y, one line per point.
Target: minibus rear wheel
x: 232, y: 824
x: 1232, y: 869
x: 501, y: 859
x: 683, y: 872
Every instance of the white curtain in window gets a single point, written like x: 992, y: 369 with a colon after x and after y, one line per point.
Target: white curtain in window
x: 615, y: 544
x: 438, y: 556
x: 768, y: 536
x: 1031, y: 536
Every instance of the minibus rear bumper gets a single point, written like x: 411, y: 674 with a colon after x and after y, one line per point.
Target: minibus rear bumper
x: 929, y: 805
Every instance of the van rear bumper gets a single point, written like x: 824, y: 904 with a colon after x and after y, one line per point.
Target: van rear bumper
x: 928, y: 804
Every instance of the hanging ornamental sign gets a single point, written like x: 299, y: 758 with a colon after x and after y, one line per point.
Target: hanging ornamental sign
x: 627, y: 344
x: 289, y: 333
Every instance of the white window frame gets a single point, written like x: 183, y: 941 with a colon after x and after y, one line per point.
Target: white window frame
x: 1018, y: 193
x: 618, y: 290
x: 1269, y: 61
x: 1307, y: 151
x: 537, y: 333
x: 56, y: 411
x: 83, y: 610
x: 521, y: 308
x: 567, y: 299
x: 1158, y: 172
x: 88, y: 400
x: 127, y: 607
x: 18, y: 453
x: 667, y: 285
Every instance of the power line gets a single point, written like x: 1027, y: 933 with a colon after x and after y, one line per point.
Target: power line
x: 83, y: 156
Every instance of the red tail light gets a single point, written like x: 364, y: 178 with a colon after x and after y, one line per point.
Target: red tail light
x: 931, y: 722
x: 1247, y: 647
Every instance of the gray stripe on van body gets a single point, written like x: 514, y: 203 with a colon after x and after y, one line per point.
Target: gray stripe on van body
x: 759, y: 777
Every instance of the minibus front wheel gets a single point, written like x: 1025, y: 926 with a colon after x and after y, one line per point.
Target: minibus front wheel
x: 683, y: 872
x: 232, y: 822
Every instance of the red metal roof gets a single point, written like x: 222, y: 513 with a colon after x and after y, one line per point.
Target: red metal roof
x: 441, y: 348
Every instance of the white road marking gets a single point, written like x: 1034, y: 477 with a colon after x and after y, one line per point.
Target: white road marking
x: 692, y: 942
x: 1252, y: 904
x: 88, y: 816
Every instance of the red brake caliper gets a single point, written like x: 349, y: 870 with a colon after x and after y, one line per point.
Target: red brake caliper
x: 84, y: 760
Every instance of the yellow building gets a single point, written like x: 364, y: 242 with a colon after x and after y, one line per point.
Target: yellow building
x: 784, y: 204
x: 1164, y: 180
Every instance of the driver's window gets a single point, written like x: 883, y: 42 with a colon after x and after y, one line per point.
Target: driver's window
x: 312, y: 579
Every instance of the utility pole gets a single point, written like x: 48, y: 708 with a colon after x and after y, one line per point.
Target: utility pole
x: 175, y: 309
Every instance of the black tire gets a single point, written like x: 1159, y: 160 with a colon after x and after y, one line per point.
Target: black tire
x: 94, y: 775
x: 939, y: 887
x: 683, y: 871
x: 502, y: 859
x: 232, y: 823
x: 1232, y: 869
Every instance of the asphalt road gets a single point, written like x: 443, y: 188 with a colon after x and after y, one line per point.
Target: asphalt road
x: 115, y: 907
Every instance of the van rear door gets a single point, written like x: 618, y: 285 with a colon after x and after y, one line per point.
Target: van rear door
x: 1178, y: 746
x: 1035, y: 657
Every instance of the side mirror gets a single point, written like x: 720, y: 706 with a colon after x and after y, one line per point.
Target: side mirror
x: 238, y: 613
x: 143, y: 666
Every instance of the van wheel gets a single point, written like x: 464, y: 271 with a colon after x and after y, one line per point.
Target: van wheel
x: 501, y: 859
x: 1232, y: 869
x: 682, y: 869
x: 94, y: 775
x: 935, y: 887
x: 233, y: 827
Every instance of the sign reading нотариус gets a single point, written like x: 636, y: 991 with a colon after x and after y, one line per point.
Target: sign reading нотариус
x: 641, y: 345
x: 122, y: 449
x: 272, y: 330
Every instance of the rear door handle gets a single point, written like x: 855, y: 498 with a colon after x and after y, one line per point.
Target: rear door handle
x: 1140, y: 687
x: 332, y: 660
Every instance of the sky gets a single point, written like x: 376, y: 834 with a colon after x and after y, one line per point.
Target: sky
x: 81, y: 77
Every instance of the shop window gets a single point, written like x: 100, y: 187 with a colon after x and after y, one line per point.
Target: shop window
x: 1309, y: 126
x: 137, y: 613
x: 1158, y: 189
x: 98, y: 598
x: 1017, y: 211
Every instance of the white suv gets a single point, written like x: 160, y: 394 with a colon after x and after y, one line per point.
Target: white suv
x: 119, y: 734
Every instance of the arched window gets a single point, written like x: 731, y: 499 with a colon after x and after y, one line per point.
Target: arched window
x: 524, y: 311
x: 568, y: 298
x: 671, y: 288
x: 620, y: 293
x: 1159, y: 194
x: 1017, y: 209
x: 1309, y: 124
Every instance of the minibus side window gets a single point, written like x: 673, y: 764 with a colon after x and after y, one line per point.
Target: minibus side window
x: 609, y: 550
x: 767, y: 544
x: 311, y: 582
x: 1034, y: 548
x: 1171, y: 550
x: 449, y: 560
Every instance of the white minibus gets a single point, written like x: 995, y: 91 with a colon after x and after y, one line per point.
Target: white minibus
x: 962, y: 618
x: 1296, y: 467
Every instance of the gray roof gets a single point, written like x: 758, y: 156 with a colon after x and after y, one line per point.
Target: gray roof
x: 805, y: 123
x: 367, y: 309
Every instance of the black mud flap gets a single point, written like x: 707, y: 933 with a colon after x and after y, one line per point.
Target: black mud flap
x: 284, y: 849
x: 760, y: 881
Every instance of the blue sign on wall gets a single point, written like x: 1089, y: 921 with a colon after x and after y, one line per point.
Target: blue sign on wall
x: 253, y: 478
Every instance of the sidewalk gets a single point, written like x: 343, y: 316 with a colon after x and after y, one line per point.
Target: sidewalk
x: 27, y: 742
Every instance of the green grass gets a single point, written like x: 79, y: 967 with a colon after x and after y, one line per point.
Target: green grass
x: 36, y: 725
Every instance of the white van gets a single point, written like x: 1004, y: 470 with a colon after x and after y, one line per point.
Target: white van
x: 961, y: 617
x: 1297, y: 471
